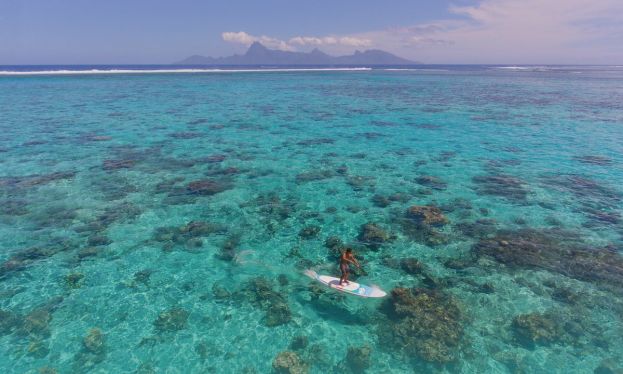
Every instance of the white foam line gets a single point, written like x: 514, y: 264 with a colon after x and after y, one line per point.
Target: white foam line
x: 169, y: 71
x: 412, y: 69
x: 517, y: 67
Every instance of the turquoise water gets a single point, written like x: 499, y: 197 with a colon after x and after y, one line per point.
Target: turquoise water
x: 162, y: 223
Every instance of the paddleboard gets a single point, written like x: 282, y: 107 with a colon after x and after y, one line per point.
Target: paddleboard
x: 352, y: 288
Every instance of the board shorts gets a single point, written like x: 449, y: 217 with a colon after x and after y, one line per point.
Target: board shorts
x: 344, y: 268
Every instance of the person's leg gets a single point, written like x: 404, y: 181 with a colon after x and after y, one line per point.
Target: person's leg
x: 343, y: 269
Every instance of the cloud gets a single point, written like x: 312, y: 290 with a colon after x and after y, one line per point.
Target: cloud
x: 510, y: 31
x: 330, y: 40
x: 246, y: 39
x: 242, y: 37
x: 239, y: 37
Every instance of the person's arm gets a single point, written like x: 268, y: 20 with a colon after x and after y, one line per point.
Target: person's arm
x: 354, y: 261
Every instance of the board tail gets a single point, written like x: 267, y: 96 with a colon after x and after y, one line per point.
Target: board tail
x: 310, y: 273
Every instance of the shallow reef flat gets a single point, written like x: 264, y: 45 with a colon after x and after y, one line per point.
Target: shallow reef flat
x: 162, y: 223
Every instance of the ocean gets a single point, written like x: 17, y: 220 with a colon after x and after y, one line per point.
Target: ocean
x: 162, y: 222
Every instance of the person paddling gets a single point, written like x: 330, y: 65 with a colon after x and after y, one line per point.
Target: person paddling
x: 345, y: 258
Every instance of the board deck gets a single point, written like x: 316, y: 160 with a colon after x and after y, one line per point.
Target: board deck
x: 352, y: 288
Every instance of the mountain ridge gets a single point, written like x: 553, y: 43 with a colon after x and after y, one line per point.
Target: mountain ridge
x: 258, y: 54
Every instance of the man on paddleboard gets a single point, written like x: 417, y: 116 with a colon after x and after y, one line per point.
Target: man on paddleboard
x: 347, y: 257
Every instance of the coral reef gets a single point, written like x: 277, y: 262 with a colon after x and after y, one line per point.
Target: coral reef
x: 357, y: 360
x: 372, y: 235
x: 28, y: 181
x: 335, y: 246
x: 313, y: 175
x: 557, y: 251
x: 309, y: 232
x: 430, y: 181
x: 590, y: 194
x: 9, y: 321
x: 456, y: 204
x: 288, y: 362
x: 24, y: 258
x: 93, y: 351
x: 38, y: 349
x: 74, y: 280
x: 420, y: 222
x: 359, y: 183
x: 142, y: 276
x: 272, y: 206
x: 110, y: 165
x: 262, y: 295
x: 227, y: 250
x: 37, y: 322
x: 594, y: 160
x: 94, y: 342
x: 219, y: 292
x: 98, y: 240
x: 411, y: 266
x: 380, y: 201
x: 189, y: 235
x: 480, y: 229
x: 426, y: 215
x: 209, y: 187
x: 173, y: 319
x: 185, y: 135
x: 415, y: 268
x: 13, y: 207
x: 536, y: 328
x: 501, y: 185
x: 422, y: 322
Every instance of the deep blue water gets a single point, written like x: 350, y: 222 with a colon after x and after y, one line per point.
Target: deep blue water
x: 162, y: 223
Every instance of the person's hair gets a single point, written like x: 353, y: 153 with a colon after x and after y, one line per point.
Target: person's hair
x: 349, y: 250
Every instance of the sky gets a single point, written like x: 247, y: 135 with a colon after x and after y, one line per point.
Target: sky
x: 430, y: 31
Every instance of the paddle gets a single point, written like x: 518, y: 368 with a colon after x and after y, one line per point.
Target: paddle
x: 361, y: 271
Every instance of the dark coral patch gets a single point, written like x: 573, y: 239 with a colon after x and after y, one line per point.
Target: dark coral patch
x: 313, y: 175
x: 501, y: 185
x: 13, y: 207
x: 359, y: 182
x: 309, y: 232
x: 431, y: 182
x: 424, y: 323
x: 197, y: 121
x: 380, y: 201
x: 110, y: 164
x: 189, y: 235
x: 216, y: 158
x: 556, y: 251
x: 591, y: 192
x: 594, y: 160
x: 35, y: 180
x: 208, y: 187
x: 372, y: 235
x: 22, y: 259
x: 261, y: 293
x: 316, y: 141
x: 173, y: 319
x: 427, y: 215
x: 419, y: 223
x: 186, y: 135
x: 536, y: 328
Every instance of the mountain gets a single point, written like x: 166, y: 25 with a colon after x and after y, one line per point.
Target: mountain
x: 258, y: 54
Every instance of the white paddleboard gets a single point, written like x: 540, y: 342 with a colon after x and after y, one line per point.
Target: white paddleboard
x: 352, y: 288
